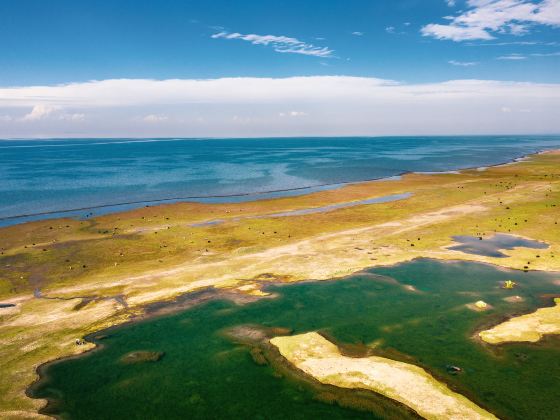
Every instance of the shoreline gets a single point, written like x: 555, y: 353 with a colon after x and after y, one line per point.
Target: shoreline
x: 200, y: 199
x: 221, y: 285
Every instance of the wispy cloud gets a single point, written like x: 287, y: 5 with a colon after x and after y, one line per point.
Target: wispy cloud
x: 292, y: 114
x: 394, y: 30
x: 462, y: 63
x: 72, y: 117
x: 155, y: 118
x: 486, y: 18
x: 508, y: 43
x: 552, y: 54
x: 358, y: 33
x: 281, y: 44
x: 518, y: 57
x: 451, y: 3
x: 513, y: 57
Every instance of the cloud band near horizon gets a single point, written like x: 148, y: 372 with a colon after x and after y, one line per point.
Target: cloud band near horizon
x: 324, y: 105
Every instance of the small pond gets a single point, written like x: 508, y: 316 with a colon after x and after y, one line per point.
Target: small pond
x: 493, y: 246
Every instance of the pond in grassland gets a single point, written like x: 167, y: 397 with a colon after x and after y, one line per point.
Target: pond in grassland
x: 493, y: 246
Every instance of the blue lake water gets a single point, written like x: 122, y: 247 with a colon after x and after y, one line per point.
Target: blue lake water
x: 42, y: 176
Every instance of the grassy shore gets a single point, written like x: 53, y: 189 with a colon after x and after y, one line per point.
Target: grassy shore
x: 68, y: 278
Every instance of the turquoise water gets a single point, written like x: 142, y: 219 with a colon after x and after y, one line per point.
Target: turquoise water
x: 42, y: 176
x: 205, y: 375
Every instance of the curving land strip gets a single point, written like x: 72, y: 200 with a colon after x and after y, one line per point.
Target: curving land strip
x: 402, y: 382
x: 531, y: 327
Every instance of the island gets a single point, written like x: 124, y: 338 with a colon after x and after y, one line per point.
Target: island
x: 530, y: 327
x: 408, y: 384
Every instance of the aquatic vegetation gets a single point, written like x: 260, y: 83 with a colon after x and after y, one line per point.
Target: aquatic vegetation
x: 142, y: 356
x: 509, y: 284
x: 258, y: 356
x: 479, y: 305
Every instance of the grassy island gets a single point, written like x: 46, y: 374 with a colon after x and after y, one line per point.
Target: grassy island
x: 531, y: 327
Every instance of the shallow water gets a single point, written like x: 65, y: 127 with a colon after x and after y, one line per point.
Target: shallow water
x: 41, y: 176
x: 312, y: 210
x: 325, y: 209
x: 491, y: 247
x: 205, y: 375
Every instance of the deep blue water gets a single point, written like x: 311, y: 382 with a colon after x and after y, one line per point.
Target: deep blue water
x: 40, y: 176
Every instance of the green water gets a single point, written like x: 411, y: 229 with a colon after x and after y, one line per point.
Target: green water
x: 205, y: 375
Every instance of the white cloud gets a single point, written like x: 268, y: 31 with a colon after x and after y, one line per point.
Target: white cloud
x: 505, y: 109
x: 455, y: 32
x: 281, y: 44
x: 72, y: 117
x: 462, y: 63
x: 485, y: 18
x: 43, y: 112
x: 357, y: 33
x: 313, y: 105
x: 293, y: 114
x: 153, y: 118
x: 39, y: 112
x: 512, y: 57
x: 390, y: 29
x: 450, y: 3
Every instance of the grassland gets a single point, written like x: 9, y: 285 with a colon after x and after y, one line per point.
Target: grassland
x: 403, y: 382
x: 70, y: 277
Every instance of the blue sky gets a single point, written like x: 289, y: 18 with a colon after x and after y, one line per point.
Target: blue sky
x: 411, y: 42
x: 60, y: 41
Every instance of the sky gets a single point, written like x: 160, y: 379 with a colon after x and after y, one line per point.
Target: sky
x: 220, y: 68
